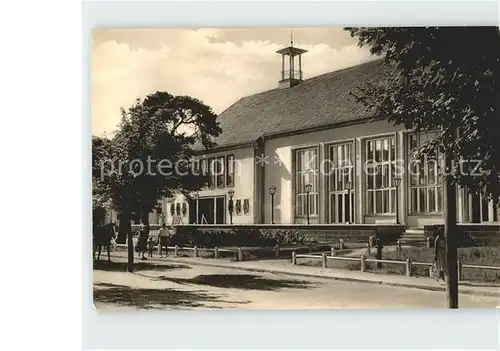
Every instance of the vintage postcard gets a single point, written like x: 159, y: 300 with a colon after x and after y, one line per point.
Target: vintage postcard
x: 295, y: 168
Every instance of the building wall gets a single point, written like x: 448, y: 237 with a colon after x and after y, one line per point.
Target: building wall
x: 243, y: 188
x: 279, y: 172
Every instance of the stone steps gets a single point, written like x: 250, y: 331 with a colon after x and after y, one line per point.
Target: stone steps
x: 413, y: 236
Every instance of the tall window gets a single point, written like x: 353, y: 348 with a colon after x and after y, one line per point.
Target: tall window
x: 340, y: 174
x: 230, y: 170
x: 426, y: 189
x: 306, y: 172
x: 212, y: 178
x: 220, y: 176
x: 380, y: 155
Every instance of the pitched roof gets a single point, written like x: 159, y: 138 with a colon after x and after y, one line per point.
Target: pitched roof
x: 315, y: 102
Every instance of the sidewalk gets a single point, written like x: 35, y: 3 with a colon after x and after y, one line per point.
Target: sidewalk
x: 285, y: 267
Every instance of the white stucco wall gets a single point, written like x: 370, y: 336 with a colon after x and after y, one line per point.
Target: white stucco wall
x: 281, y: 175
x: 243, y: 187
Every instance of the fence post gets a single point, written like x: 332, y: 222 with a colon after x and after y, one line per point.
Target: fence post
x: 176, y: 250
x: 216, y: 252
x: 277, y: 250
x: 399, y: 249
x: 294, y: 258
x: 240, y: 254
x: 363, y: 263
x: 408, y: 267
x: 332, y: 252
x: 341, y: 244
x: 324, y: 260
x: 459, y: 270
x: 369, y: 246
x: 195, y: 251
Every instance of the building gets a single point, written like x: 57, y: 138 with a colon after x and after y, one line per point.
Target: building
x: 312, y: 133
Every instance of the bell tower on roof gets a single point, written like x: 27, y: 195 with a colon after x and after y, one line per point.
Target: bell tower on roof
x: 291, y: 68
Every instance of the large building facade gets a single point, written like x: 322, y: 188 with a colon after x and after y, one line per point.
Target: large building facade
x: 327, y: 158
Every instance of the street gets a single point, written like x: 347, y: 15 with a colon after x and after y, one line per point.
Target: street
x: 169, y: 285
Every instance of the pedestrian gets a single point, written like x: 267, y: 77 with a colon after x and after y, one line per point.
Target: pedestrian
x: 439, y: 256
x: 151, y: 246
x: 163, y: 239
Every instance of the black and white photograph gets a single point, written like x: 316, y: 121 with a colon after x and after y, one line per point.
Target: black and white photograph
x: 295, y: 168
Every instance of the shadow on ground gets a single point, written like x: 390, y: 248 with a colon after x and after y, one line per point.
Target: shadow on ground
x: 155, y: 298
x: 240, y: 281
x: 138, y: 266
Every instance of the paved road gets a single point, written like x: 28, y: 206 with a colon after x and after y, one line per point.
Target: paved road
x: 183, y: 286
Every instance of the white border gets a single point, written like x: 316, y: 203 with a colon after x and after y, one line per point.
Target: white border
x: 463, y: 329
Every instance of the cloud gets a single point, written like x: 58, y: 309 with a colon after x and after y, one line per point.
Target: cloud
x: 202, y: 63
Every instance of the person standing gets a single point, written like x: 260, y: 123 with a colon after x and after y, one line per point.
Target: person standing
x: 163, y: 240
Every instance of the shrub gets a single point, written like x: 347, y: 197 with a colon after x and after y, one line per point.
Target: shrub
x: 236, y: 237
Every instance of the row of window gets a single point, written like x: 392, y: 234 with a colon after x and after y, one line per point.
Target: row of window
x: 220, y: 170
x: 425, y: 189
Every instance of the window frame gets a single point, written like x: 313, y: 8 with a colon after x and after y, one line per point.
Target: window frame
x: 315, y: 193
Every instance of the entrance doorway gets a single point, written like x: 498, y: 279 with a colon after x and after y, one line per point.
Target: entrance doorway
x: 211, y: 210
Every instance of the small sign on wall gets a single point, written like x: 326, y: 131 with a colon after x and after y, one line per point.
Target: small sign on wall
x: 246, y: 206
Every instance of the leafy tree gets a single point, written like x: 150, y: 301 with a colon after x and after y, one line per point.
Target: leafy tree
x: 149, y: 157
x: 442, y: 78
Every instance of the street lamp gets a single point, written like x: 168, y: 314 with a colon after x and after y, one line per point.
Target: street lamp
x: 272, y: 191
x: 197, y: 198
x: 308, y: 188
x: 348, y: 186
x: 230, y: 205
x: 397, y: 182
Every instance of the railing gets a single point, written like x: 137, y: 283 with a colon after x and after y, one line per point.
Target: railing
x: 408, y: 262
x: 293, y: 74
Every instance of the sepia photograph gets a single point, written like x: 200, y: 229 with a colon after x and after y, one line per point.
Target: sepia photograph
x: 295, y: 168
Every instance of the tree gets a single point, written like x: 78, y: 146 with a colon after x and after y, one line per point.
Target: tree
x: 150, y: 156
x: 443, y: 79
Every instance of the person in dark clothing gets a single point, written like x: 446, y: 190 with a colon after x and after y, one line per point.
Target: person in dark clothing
x: 142, y: 243
x: 439, y: 256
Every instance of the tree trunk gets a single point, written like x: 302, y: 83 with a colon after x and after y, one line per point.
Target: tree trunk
x: 123, y: 229
x: 125, y: 232
x: 450, y: 236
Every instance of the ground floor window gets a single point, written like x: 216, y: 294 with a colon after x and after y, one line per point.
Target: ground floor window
x: 340, y: 184
x: 380, y: 156
x: 306, y: 165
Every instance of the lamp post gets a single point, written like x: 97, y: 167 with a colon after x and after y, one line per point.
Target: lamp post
x: 272, y: 191
x: 197, y: 197
x: 348, y: 186
x: 230, y: 206
x: 308, y: 188
x: 397, y: 182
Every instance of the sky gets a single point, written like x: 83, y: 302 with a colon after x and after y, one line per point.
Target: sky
x: 217, y: 66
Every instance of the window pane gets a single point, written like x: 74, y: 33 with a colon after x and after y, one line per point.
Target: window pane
x: 385, y: 201
x: 369, y: 207
x: 332, y: 208
x: 347, y: 208
x: 414, y: 174
x: 432, y: 171
x: 439, y: 198
x: 378, y: 201
x: 393, y: 150
x: 422, y: 200
x: 370, y: 151
x: 432, y: 199
x: 385, y: 150
x: 340, y: 209
x: 378, y: 150
x: 413, y: 200
x: 393, y: 201
x: 378, y: 177
x: 385, y: 175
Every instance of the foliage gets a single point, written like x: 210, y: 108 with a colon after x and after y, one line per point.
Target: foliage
x: 236, y: 237
x: 149, y: 157
x: 443, y: 79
